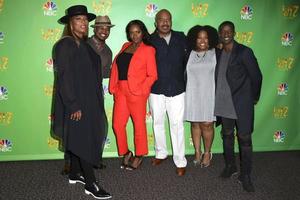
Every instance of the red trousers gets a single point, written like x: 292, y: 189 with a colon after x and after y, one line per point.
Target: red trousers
x: 125, y: 105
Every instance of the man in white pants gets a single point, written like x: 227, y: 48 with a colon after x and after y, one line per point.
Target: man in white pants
x: 167, y: 93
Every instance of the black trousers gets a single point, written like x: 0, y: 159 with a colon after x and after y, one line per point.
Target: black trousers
x: 245, y: 146
x: 78, y: 165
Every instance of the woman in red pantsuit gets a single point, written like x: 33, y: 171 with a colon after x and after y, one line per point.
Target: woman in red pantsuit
x: 132, y: 75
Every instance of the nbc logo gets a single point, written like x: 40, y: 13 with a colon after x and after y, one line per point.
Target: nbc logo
x: 50, y: 118
x: 1, y: 37
x: 282, y: 89
x: 107, y: 143
x: 286, y: 39
x: 3, y: 93
x: 49, y: 65
x: 151, y: 10
x: 148, y: 117
x: 5, y: 145
x: 105, y: 89
x: 49, y: 8
x: 279, y: 136
x: 246, y: 12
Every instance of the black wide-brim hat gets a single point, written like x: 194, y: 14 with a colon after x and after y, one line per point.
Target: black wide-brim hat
x: 76, y: 10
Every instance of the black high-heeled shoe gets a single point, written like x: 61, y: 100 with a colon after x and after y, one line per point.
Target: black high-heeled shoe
x: 138, y: 160
x: 126, y: 159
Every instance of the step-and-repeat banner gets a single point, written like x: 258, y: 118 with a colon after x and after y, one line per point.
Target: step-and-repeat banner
x: 29, y: 29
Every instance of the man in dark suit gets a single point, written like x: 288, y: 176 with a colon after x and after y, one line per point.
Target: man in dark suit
x: 238, y: 88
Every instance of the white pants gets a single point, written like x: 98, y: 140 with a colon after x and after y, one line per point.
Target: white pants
x: 174, y: 106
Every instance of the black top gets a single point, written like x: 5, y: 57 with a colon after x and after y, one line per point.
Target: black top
x: 123, y: 61
x: 171, y: 61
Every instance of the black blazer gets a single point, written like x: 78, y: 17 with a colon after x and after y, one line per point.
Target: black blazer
x: 245, y: 79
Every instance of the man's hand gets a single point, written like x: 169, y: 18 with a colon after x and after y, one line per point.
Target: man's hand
x: 76, y: 115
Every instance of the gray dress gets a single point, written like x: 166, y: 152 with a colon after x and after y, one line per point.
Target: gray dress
x: 200, y: 88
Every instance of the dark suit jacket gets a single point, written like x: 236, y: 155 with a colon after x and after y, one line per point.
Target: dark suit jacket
x: 245, y: 79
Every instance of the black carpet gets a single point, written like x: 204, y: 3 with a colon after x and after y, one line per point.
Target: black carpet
x: 276, y: 176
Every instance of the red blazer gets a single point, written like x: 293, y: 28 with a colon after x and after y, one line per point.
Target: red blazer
x: 142, y: 71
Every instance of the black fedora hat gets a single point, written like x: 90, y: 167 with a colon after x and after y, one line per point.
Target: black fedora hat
x: 76, y: 10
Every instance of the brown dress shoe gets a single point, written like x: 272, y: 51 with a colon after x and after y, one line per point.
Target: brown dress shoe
x: 180, y: 171
x: 157, y: 161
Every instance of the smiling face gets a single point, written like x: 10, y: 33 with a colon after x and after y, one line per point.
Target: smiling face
x: 135, y: 34
x: 102, y: 32
x: 163, y: 23
x: 79, y: 25
x: 202, y: 41
x: 226, y: 35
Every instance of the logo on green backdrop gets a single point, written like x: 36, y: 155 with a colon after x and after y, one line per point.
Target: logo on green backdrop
x: 290, y: 11
x: 151, y: 10
x: 3, y: 63
x: 279, y: 137
x: 49, y: 8
x: 287, y: 39
x: 282, y: 89
x: 285, y: 64
x: 102, y: 7
x: 246, y: 12
x: 5, y: 145
x: 1, y: 5
x: 6, y: 118
x: 49, y: 65
x: 280, y: 112
x: 1, y: 37
x: 3, y: 93
x: 200, y: 10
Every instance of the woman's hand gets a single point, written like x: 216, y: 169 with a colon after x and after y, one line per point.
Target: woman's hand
x: 76, y: 115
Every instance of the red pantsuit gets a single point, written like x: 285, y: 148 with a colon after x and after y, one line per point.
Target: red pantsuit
x: 130, y: 97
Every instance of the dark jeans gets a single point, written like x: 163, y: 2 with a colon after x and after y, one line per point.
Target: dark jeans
x: 79, y: 165
x: 245, y: 146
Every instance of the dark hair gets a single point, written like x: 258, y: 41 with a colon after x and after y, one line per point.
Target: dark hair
x: 68, y: 32
x: 142, y: 26
x: 227, y: 23
x: 212, y: 35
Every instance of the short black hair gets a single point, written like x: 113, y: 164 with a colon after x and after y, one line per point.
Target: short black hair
x: 212, y: 34
x: 142, y: 26
x: 226, y: 23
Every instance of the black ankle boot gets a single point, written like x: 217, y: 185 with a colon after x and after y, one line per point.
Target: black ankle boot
x: 96, y: 191
x: 229, y: 171
x: 246, y: 182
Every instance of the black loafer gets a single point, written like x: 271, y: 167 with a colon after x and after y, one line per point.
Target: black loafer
x: 78, y: 178
x: 96, y: 191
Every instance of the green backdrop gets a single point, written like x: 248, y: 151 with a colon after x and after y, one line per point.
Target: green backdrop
x: 29, y: 29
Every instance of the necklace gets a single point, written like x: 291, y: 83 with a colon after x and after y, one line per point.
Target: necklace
x: 200, y: 56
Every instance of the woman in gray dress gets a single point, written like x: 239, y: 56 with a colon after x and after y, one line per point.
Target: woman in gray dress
x: 200, y: 90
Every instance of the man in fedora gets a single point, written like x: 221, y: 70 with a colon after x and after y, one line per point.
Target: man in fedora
x: 97, y: 41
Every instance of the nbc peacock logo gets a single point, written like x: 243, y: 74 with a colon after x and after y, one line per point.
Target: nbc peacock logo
x: 151, y: 10
x: 149, y: 117
x: 246, y: 12
x: 105, y: 90
x: 279, y: 137
x: 107, y: 143
x: 49, y: 65
x: 49, y: 8
x: 282, y: 89
x: 287, y: 39
x: 5, y: 145
x: 3, y: 93
x: 1, y: 37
